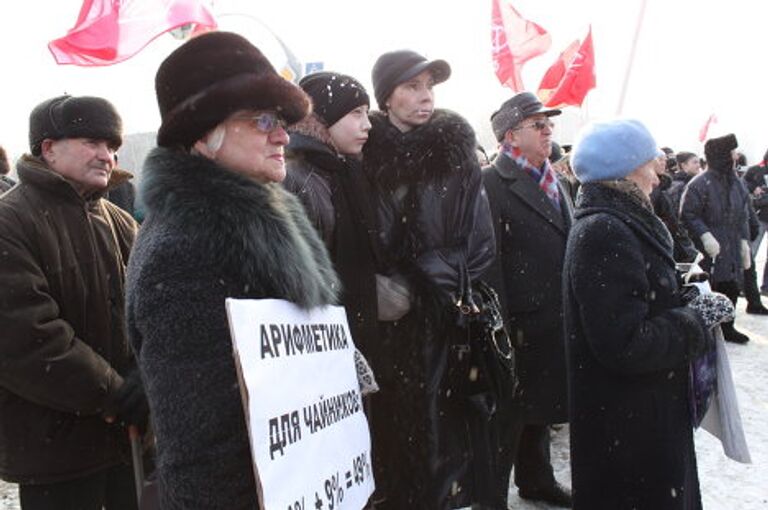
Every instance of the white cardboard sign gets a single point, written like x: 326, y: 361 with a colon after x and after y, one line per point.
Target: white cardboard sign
x: 309, y: 436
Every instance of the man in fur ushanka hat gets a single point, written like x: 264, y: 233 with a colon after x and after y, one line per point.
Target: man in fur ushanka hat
x: 68, y: 384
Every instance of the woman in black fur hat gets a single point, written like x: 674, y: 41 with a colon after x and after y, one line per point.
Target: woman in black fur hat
x: 436, y: 230
x: 218, y: 225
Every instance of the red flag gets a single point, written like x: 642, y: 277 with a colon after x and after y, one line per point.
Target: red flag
x: 110, y: 31
x: 705, y: 128
x: 515, y: 40
x: 569, y: 79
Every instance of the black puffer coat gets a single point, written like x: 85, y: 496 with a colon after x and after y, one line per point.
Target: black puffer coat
x: 337, y: 199
x: 629, y: 344
x: 716, y: 201
x: 210, y: 234
x: 436, y: 229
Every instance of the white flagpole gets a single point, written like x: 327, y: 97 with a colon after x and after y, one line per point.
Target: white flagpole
x: 631, y: 60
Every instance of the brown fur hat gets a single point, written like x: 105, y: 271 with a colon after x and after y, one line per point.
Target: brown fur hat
x: 74, y: 117
x: 212, y: 76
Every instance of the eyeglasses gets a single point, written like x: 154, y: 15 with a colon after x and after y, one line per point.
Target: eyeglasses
x: 266, y: 122
x: 539, y: 125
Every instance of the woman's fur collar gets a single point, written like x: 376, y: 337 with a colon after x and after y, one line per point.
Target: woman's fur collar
x: 436, y: 150
x: 313, y: 127
x: 257, y: 233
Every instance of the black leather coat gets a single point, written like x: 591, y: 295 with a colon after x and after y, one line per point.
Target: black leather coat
x: 436, y: 229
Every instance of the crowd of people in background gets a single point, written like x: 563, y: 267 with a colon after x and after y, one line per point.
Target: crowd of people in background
x: 113, y: 318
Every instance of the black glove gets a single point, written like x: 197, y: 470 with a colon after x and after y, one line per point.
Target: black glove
x: 688, y: 293
x: 130, y: 402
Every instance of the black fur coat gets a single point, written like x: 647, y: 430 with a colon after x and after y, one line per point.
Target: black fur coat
x: 210, y: 234
x: 434, y: 218
x: 430, y: 445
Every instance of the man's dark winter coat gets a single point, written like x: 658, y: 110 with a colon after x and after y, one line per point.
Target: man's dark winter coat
x: 210, y: 234
x: 629, y: 346
x: 63, y: 343
x: 716, y: 201
x: 531, y: 236
x: 437, y: 231
x: 337, y: 199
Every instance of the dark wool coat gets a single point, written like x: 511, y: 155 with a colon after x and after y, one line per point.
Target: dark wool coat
x: 528, y: 272
x: 337, y: 199
x: 628, y: 350
x: 210, y: 234
x: 757, y: 177
x: 435, y: 229
x: 716, y: 202
x: 680, y: 180
x: 664, y: 206
x: 63, y: 342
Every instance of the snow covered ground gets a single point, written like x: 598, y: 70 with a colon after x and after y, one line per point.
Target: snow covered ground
x: 725, y: 484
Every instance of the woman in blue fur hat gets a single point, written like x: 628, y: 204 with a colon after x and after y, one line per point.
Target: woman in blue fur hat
x: 630, y: 336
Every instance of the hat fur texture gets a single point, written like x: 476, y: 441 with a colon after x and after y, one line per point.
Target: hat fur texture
x: 74, y: 117
x: 212, y: 76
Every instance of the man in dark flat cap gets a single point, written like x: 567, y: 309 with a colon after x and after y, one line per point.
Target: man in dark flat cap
x: 532, y: 216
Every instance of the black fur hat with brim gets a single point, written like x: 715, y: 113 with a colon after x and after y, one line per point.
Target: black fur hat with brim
x: 211, y: 77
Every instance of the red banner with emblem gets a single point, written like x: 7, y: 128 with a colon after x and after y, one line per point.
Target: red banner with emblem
x: 110, y: 31
x: 515, y: 40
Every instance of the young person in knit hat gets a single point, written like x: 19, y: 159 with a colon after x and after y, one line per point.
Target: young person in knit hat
x: 715, y: 212
x: 631, y: 331
x: 218, y: 224
x: 323, y: 170
x: 68, y: 386
x: 532, y: 214
x: 437, y: 238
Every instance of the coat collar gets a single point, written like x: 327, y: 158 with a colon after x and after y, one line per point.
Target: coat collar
x: 35, y: 171
x: 521, y: 184
x: 596, y: 197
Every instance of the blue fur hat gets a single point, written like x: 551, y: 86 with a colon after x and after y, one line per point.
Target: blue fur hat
x: 612, y: 150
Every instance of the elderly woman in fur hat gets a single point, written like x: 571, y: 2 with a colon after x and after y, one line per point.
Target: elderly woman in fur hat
x: 631, y: 332
x: 437, y: 237
x: 218, y: 225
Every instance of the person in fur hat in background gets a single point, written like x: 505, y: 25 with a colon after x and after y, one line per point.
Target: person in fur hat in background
x: 324, y: 171
x: 218, y: 224
x: 68, y: 383
x: 630, y: 331
x: 715, y: 211
x: 437, y: 238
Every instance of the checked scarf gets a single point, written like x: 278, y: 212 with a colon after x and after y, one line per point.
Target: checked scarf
x: 544, y: 176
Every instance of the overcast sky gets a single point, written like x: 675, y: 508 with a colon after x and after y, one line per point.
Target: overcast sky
x: 694, y: 58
